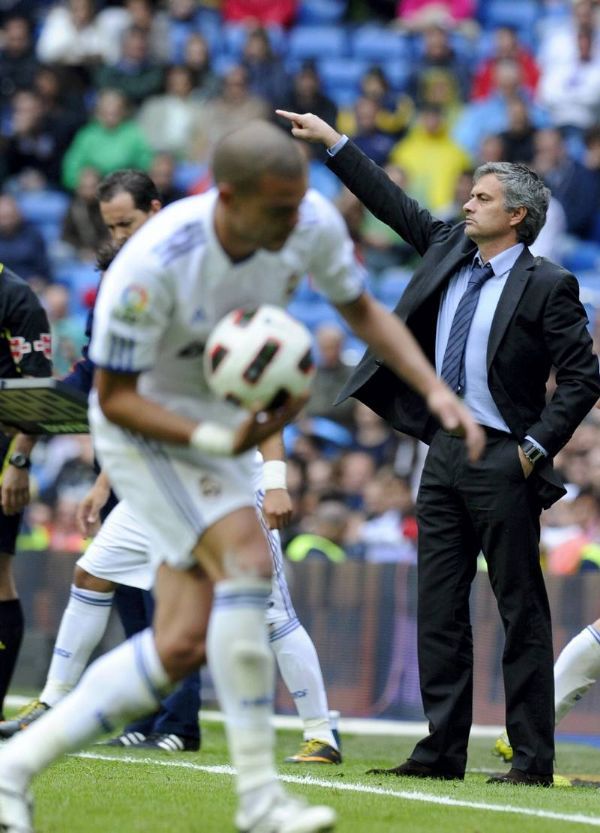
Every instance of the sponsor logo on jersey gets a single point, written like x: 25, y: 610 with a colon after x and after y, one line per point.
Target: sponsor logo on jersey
x: 19, y: 347
x: 44, y: 345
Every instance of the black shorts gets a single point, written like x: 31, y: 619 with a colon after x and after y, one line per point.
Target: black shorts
x: 9, y: 524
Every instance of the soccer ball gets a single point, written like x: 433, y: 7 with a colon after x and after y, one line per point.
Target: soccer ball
x: 258, y: 358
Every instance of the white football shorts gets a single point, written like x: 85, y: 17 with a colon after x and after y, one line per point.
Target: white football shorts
x: 120, y: 552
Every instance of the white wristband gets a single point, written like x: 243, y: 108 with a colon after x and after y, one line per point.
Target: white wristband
x: 211, y: 438
x: 274, y: 475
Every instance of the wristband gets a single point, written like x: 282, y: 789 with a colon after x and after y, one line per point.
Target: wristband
x: 274, y: 475
x: 212, y: 438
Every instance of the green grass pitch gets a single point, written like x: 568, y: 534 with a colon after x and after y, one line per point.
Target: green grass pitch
x: 137, y: 792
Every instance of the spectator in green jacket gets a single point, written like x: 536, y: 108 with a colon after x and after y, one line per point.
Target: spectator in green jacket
x: 109, y: 142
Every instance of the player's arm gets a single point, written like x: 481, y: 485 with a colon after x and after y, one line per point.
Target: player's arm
x: 390, y: 340
x: 122, y: 404
x: 88, y: 511
x: 277, y: 504
x: 31, y: 348
x: 15, y: 477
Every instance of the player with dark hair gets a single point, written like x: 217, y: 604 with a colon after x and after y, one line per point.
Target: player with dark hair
x: 25, y: 350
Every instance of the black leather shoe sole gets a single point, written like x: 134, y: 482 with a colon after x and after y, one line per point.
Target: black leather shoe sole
x: 413, y: 769
x: 518, y: 778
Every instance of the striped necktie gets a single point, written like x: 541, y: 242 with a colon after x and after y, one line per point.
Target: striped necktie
x: 453, y: 366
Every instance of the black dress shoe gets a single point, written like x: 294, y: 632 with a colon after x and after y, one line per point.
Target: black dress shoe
x: 520, y: 778
x: 413, y: 769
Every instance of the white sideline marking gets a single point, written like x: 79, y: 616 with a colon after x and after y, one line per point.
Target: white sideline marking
x: 310, y: 781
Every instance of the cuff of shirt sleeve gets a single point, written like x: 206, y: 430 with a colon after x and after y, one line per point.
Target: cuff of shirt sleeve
x: 537, y: 445
x: 338, y: 146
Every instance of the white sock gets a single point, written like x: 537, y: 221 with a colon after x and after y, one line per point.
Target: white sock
x: 299, y: 666
x: 242, y: 669
x: 81, y: 628
x: 576, y: 670
x: 125, y: 683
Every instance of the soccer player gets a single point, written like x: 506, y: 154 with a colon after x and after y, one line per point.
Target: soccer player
x: 25, y: 350
x: 575, y: 672
x: 127, y: 198
x: 119, y: 559
x: 183, y: 460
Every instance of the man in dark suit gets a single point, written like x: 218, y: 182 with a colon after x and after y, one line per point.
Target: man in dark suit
x: 494, y: 320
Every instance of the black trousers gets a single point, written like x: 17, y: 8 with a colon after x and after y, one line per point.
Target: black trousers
x: 462, y: 509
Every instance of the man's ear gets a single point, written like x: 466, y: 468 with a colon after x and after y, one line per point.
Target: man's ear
x: 518, y: 215
x: 226, y: 192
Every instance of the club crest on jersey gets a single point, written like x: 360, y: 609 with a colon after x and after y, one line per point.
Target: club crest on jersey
x: 133, y: 304
x: 210, y: 487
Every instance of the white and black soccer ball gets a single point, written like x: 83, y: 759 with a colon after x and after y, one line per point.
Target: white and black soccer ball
x: 258, y: 358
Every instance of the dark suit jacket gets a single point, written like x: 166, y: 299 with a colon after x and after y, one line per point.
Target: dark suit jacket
x: 539, y: 323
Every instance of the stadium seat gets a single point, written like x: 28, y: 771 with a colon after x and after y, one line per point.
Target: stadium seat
x: 187, y: 173
x: 235, y: 35
x: 341, y: 74
x: 397, y: 73
x: 585, y: 255
x: 75, y: 274
x: 518, y: 14
x: 221, y: 64
x: 179, y: 32
x: 312, y: 313
x: 320, y: 12
x: 323, y: 180
x: 390, y: 285
x: 378, y: 45
x: 40, y: 207
x: 315, y: 41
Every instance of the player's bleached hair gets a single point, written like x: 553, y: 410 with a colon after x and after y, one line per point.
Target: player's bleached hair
x: 523, y: 188
x: 245, y: 155
x: 129, y: 181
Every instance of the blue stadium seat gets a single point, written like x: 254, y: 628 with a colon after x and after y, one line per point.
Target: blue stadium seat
x: 40, y: 207
x: 75, y: 274
x: 390, y: 285
x: 397, y: 73
x: 378, y: 45
x: 316, y: 41
x: 341, y: 74
x: 320, y: 12
x: 306, y: 292
x: 312, y: 313
x: 187, y: 173
x: 179, y: 32
x: 519, y: 14
x: 235, y: 36
x: 324, y: 180
x: 221, y: 64
x: 585, y: 255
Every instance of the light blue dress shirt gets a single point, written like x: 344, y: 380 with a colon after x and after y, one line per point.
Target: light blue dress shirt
x: 477, y: 394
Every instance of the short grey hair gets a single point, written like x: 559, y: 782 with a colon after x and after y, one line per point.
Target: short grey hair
x: 523, y: 188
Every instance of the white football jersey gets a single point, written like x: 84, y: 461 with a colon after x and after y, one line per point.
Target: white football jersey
x: 172, y: 282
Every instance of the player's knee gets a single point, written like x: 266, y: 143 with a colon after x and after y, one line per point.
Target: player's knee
x: 249, y: 562
x: 181, y: 652
x: 8, y: 588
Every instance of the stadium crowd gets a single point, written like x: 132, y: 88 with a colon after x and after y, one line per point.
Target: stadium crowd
x: 428, y: 90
